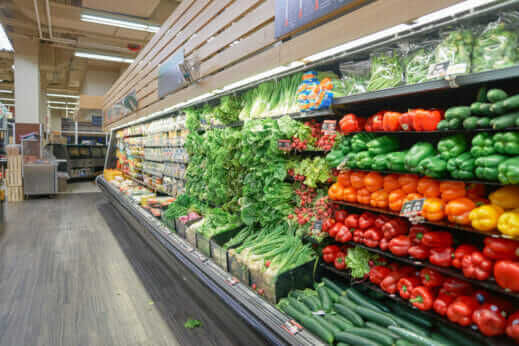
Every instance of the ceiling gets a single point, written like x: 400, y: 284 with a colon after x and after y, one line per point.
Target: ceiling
x: 64, y: 33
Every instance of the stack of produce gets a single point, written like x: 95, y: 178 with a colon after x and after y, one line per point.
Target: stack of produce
x: 217, y: 221
x: 356, y: 260
x: 385, y: 71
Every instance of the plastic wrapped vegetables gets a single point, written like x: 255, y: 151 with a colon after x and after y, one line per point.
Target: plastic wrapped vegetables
x: 330, y: 81
x: 418, y: 61
x: 386, y: 71
x: 355, y: 77
x: 455, y: 48
x: 495, y: 48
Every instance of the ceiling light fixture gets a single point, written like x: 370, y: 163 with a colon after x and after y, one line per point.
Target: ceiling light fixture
x: 63, y: 96
x: 6, y: 99
x: 6, y: 91
x: 65, y: 108
x: 63, y: 103
x: 451, y: 11
x: 103, y: 57
x: 5, y: 44
x: 119, y: 22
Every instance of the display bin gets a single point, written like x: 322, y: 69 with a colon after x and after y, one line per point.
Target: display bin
x: 171, y: 225
x: 218, y: 253
x: 238, y: 270
x: 181, y: 228
x: 214, y: 244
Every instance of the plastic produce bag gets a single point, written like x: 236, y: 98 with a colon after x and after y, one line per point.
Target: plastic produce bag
x: 496, y: 46
x: 385, y: 71
x: 330, y: 81
x: 455, y: 48
x: 420, y: 56
x: 355, y: 76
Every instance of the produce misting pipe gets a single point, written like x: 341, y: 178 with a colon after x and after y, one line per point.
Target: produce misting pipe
x: 49, y: 22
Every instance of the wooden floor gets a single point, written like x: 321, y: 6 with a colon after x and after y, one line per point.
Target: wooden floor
x: 71, y: 273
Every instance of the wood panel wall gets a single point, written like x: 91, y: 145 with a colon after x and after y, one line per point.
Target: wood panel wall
x: 234, y: 39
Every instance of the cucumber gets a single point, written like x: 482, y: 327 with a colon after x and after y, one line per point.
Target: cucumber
x: 496, y: 95
x: 511, y: 103
x: 454, y: 124
x: 443, y: 125
x: 297, y: 294
x: 413, y: 337
x: 485, y: 109
x: 332, y: 294
x: 344, y: 320
x: 403, y: 342
x: 349, y: 314
x: 474, y: 108
x: 456, y: 337
x: 292, y: 312
x: 460, y: 112
x: 442, y: 339
x: 332, y: 285
x: 401, y: 322
x: 504, y: 121
x: 312, y: 302
x: 373, y: 335
x: 344, y: 300
x: 337, y: 322
x: 483, y: 123
x: 381, y: 329
x: 410, y: 315
x: 354, y: 339
x: 381, y: 318
x: 327, y: 325
x: 326, y: 302
x: 364, y: 300
x: 470, y: 123
x: 312, y: 325
x: 482, y: 94
x: 302, y: 308
x: 498, y: 108
x: 343, y: 344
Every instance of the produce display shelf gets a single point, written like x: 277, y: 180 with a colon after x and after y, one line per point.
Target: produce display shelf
x: 489, y: 284
x: 263, y: 317
x: 433, y: 223
x: 438, y: 319
x: 484, y: 182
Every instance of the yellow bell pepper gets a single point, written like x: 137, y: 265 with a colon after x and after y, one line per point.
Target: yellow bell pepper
x: 506, y: 197
x: 485, y: 218
x: 508, y: 223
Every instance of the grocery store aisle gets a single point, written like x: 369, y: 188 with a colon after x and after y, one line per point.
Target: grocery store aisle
x: 71, y: 273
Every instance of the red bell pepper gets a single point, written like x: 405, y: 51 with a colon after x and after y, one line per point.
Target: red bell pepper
x: 351, y: 123
x: 340, y: 261
x: 394, y: 266
x: 344, y: 235
x: 419, y: 252
x: 406, y: 285
x: 461, y: 309
x: 431, y: 278
x: 380, y: 221
x: 461, y: 251
x: 352, y: 221
x: 512, y: 326
x: 389, y: 284
x: 329, y: 253
x: 335, y: 229
x: 372, y: 237
x: 406, y: 121
x: 422, y: 298
x: 442, y: 302
x: 378, y: 273
x: 437, y: 239
x: 375, y: 122
x: 476, y: 266
x: 395, y: 228
x: 328, y: 224
x: 426, y: 120
x: 391, y: 121
x: 366, y: 220
x: 501, y: 249
x: 441, y: 256
x: 416, y: 233
x: 506, y: 274
x: 383, y: 244
x: 400, y: 245
x: 358, y: 236
x: 490, y: 320
x: 340, y: 215
x: 457, y: 287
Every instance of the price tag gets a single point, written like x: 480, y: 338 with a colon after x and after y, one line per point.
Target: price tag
x: 457, y: 69
x: 318, y: 225
x: 292, y: 327
x: 232, y: 281
x: 319, y: 313
x: 284, y: 145
x: 438, y: 70
x: 412, y: 208
x: 342, y: 165
x: 329, y: 126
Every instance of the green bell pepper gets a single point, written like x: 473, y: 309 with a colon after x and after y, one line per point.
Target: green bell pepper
x: 482, y: 145
x: 486, y: 166
x: 506, y: 143
x: 462, y: 166
x: 360, y: 140
x: 417, y: 153
x: 351, y: 160
x: 508, y: 171
x: 342, y: 143
x: 396, y: 161
x: 379, y: 162
x: 334, y: 158
x: 364, y: 159
x: 433, y: 166
x: 382, y: 145
x: 452, y: 146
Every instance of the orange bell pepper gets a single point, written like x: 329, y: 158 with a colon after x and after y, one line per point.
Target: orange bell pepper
x: 357, y: 179
x: 476, y: 190
x: 391, y: 183
x: 396, y: 199
x: 433, y: 209
x: 452, y: 190
x: 428, y: 187
x: 335, y: 192
x: 411, y: 197
x: 373, y: 181
x: 458, y: 210
x: 344, y: 179
x: 349, y: 194
x: 363, y: 196
x: 379, y: 199
x: 408, y: 182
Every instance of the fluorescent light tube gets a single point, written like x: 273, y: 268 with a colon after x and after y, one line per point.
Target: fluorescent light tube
x: 6, y: 99
x: 451, y: 11
x: 5, y: 44
x: 97, y: 19
x: 103, y: 57
x: 63, y: 96
x: 6, y: 91
x: 63, y: 103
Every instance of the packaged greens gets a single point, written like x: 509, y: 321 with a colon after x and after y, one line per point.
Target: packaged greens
x: 455, y: 47
x: 386, y: 70
x: 355, y: 76
x: 420, y: 56
x: 496, y: 46
x: 330, y: 81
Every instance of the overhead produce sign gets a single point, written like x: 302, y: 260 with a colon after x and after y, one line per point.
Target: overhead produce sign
x: 177, y: 72
x: 126, y: 105
x: 296, y: 15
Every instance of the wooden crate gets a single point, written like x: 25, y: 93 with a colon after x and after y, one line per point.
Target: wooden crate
x: 14, y: 162
x: 14, y: 194
x: 14, y: 178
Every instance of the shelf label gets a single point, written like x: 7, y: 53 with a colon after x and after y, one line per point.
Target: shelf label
x: 438, y: 70
x: 284, y: 145
x: 412, y: 208
x: 457, y: 69
x: 232, y: 281
x: 292, y: 327
x: 329, y: 127
x: 319, y: 313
